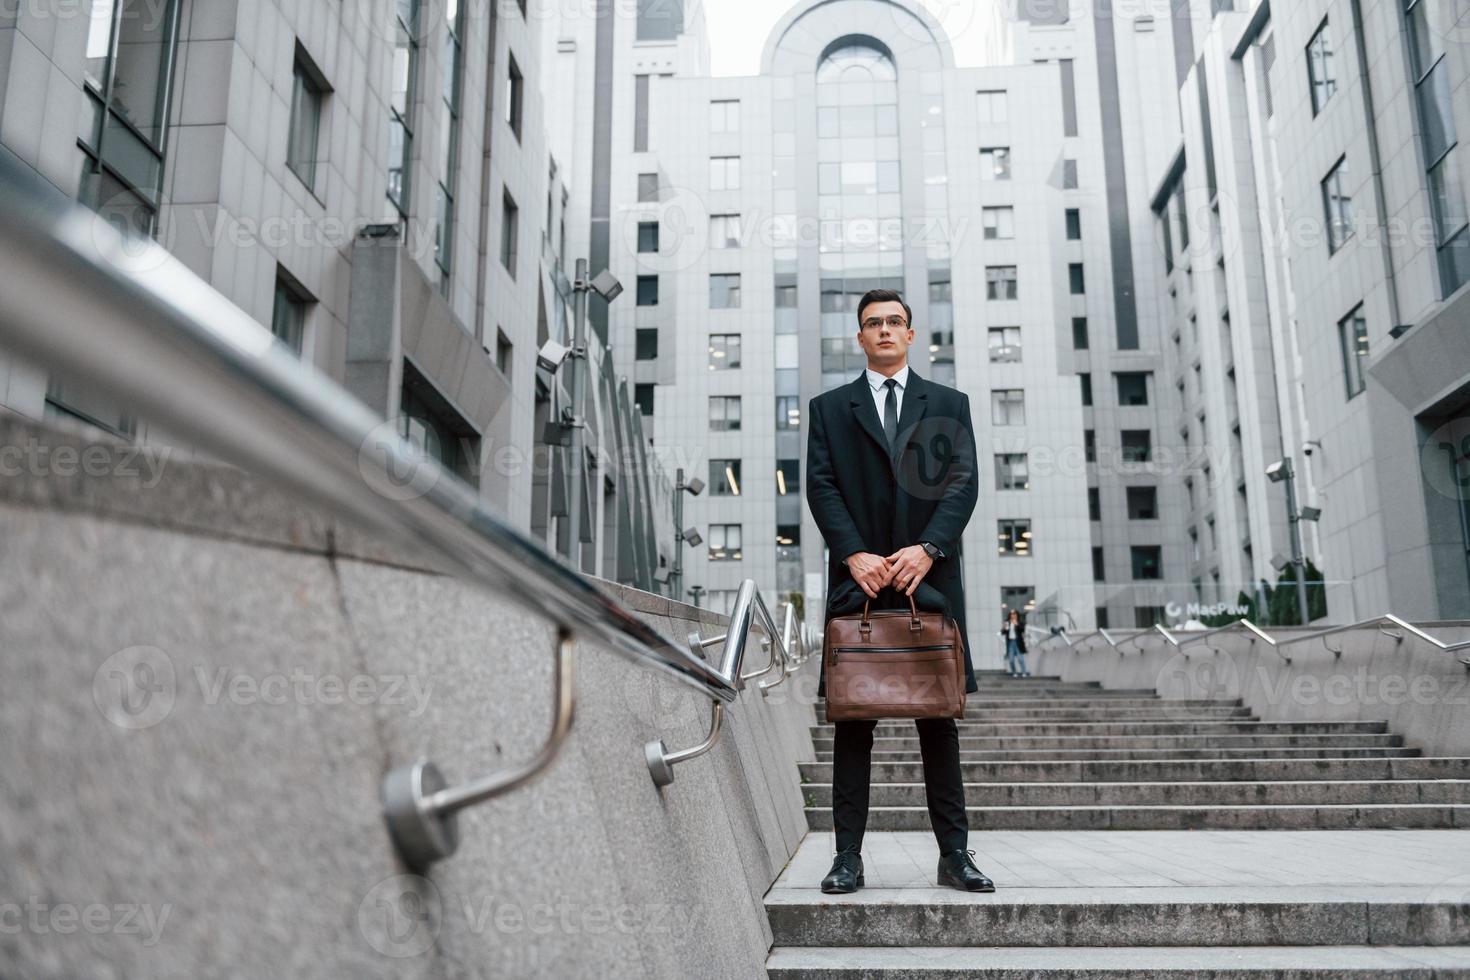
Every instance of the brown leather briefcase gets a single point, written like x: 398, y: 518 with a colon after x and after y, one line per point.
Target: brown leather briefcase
x: 894, y: 664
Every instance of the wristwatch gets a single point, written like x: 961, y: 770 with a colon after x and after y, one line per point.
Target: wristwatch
x: 931, y: 551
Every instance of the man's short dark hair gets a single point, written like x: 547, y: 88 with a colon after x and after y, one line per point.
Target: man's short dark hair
x: 883, y: 296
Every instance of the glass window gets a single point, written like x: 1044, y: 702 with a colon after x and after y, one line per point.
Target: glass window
x: 288, y: 316
x: 724, y: 542
x: 1094, y: 504
x: 1352, y: 331
x: 647, y: 291
x: 306, y: 121
x: 648, y: 236
x: 515, y: 95
x: 402, y: 99
x: 724, y: 116
x: 510, y: 217
x: 1013, y: 538
x: 1097, y: 565
x: 1000, y: 223
x: 648, y: 187
x: 1132, y: 387
x: 1012, y: 472
x: 1143, y: 503
x: 1075, y: 279
x: 1085, y: 377
x: 449, y: 163
x: 1137, y: 445
x: 1008, y: 406
x: 1074, y: 225
x: 724, y: 291
x: 1338, y: 206
x: 788, y: 477
x: 1079, y: 333
x: 724, y: 173
x: 724, y: 351
x: 785, y: 298
x: 643, y: 398
x: 724, y: 415
x: 640, y: 113
x: 995, y: 163
x: 1320, y: 73
x: 1005, y: 344
x: 1148, y: 561
x: 1069, y: 175
x: 788, y: 412
x: 724, y: 232
x: 647, y: 343
x: 1000, y: 282
x: 991, y: 107
x: 658, y: 20
x: 1021, y: 598
x: 1089, y: 445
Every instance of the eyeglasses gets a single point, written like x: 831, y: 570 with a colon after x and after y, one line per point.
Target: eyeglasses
x: 896, y: 322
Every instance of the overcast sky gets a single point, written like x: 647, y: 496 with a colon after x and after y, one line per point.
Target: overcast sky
x: 738, y: 30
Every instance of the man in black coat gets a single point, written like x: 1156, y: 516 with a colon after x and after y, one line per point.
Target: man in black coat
x: 892, y: 481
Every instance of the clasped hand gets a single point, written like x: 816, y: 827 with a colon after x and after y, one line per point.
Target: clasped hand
x: 904, y: 569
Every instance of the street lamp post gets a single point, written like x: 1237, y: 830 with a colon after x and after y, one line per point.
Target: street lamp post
x: 608, y: 287
x: 1281, y: 472
x: 693, y: 487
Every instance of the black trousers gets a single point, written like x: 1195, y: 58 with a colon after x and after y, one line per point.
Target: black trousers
x: 939, y: 744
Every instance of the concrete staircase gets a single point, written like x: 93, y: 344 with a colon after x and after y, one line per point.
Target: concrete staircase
x: 1233, y: 847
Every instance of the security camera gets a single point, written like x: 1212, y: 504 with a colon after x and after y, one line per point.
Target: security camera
x: 1310, y: 446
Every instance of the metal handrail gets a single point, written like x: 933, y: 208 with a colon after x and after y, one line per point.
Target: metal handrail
x: 126, y: 317
x: 1278, y: 642
x: 748, y: 611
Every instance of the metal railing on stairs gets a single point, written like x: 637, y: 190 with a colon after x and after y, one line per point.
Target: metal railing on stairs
x: 1388, y: 624
x: 123, y: 316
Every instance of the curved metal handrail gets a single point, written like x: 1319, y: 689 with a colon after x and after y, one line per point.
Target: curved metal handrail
x: 748, y: 611
x: 122, y: 313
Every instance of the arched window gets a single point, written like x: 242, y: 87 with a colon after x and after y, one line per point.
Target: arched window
x: 856, y: 62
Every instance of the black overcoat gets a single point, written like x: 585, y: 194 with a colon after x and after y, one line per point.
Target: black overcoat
x: 865, y: 498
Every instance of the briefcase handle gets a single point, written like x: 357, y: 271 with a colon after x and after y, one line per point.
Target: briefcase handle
x: 866, y: 629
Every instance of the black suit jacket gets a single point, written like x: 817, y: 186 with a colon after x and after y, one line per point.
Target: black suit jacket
x: 866, y: 498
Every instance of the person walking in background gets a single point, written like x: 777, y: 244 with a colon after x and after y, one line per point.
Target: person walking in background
x: 1014, y: 633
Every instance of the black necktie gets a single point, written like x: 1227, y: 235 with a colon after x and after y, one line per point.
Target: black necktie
x: 890, y: 413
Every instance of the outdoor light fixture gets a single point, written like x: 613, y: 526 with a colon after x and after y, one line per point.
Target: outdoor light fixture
x: 1279, y: 470
x: 606, y: 285
x: 1311, y: 513
x: 692, y: 537
x: 551, y: 355
x: 1279, y: 561
x: 694, y: 486
x: 661, y: 574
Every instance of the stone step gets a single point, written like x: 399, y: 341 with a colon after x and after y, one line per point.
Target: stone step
x: 1199, y: 817
x: 971, y: 729
x: 1296, y: 792
x: 1092, y: 754
x: 1103, y: 714
x: 1113, y: 963
x: 1023, y: 742
x: 1129, y: 888
x: 1159, y: 770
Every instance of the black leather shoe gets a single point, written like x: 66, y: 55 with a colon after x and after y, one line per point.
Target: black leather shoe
x: 846, y: 874
x: 957, y: 870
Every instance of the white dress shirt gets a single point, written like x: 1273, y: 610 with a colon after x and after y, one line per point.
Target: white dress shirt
x: 880, y: 396
x: 880, y: 393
